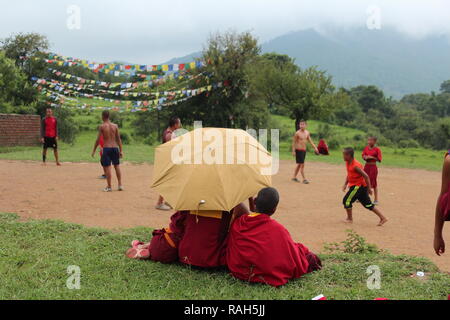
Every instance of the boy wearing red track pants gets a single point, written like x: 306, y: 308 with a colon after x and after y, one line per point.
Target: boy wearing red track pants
x: 372, y: 155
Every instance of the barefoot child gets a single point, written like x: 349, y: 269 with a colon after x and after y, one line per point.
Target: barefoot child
x: 372, y: 155
x: 359, y: 183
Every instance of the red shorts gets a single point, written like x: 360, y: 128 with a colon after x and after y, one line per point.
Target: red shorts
x: 372, y: 172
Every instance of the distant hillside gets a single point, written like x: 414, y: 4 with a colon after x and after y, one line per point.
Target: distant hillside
x: 386, y: 58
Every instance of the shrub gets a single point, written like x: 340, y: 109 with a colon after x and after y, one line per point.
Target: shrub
x: 354, y: 244
x: 334, y: 144
x: 324, y: 131
x: 67, y: 126
x: 150, y: 140
x: 410, y: 143
x: 126, y: 139
x: 116, y: 118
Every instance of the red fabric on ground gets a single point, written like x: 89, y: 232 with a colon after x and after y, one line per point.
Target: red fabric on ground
x: 201, y: 245
x: 323, y: 148
x: 261, y: 250
x: 372, y: 172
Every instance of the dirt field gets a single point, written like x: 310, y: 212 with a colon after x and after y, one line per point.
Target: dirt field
x: 313, y: 213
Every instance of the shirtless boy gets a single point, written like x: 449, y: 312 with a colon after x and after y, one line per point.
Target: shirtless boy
x: 112, y: 150
x: 301, y: 138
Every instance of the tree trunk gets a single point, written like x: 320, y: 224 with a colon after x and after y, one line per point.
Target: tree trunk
x: 297, y: 123
x: 158, y: 125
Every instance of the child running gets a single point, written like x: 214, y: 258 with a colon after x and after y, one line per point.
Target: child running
x: 442, y: 207
x: 359, y: 186
x: 372, y: 155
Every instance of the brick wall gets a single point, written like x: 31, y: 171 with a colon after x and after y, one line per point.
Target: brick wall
x: 19, y: 130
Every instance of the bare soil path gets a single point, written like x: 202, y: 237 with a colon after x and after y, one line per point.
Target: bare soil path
x: 312, y: 213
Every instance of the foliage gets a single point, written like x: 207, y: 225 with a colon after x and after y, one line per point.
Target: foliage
x: 229, y: 55
x: 125, y: 137
x: 354, y: 244
x: 416, y: 120
x: 21, y: 45
x: 15, y: 90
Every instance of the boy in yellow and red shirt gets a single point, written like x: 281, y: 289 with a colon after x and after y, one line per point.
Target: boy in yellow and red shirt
x: 359, y: 186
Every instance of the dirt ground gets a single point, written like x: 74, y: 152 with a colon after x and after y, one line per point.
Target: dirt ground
x: 312, y: 213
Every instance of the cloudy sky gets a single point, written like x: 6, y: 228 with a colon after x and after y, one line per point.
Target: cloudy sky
x: 154, y: 31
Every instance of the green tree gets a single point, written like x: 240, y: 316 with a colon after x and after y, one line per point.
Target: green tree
x: 26, y: 45
x: 304, y: 93
x: 445, y: 86
x: 15, y: 90
x: 232, y: 104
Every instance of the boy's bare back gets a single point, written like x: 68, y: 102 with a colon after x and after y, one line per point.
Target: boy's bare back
x: 110, y: 132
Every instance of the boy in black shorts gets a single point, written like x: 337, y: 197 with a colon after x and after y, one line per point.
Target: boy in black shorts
x: 112, y: 150
x: 49, y: 135
x: 359, y: 186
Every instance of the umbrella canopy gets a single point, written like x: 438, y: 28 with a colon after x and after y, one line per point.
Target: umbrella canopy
x: 211, y: 169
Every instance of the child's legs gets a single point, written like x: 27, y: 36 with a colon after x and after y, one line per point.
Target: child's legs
x: 55, y: 152
x: 302, y: 171
x: 44, y: 154
x: 365, y: 200
x: 108, y: 175
x: 297, y: 170
x: 118, y: 174
x: 375, y: 191
x: 349, y: 199
x: 349, y: 214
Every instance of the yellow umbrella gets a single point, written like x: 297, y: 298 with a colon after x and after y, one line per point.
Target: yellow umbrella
x: 211, y: 169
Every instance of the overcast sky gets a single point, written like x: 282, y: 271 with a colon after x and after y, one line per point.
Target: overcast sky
x: 154, y: 31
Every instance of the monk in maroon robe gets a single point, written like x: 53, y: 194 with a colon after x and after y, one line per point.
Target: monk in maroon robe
x: 164, y: 244
x: 261, y: 250
x: 204, y: 241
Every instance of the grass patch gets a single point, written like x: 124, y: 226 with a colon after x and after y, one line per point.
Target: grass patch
x: 34, y: 257
x: 138, y: 152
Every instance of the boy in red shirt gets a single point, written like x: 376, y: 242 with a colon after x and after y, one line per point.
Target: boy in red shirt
x: 442, y: 207
x: 372, y: 154
x: 360, y: 187
x: 49, y: 135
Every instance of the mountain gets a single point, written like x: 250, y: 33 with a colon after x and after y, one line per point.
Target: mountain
x: 386, y: 58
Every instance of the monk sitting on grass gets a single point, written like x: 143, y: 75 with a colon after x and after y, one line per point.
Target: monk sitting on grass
x: 164, y: 244
x: 195, y: 238
x: 204, y: 241
x: 262, y: 250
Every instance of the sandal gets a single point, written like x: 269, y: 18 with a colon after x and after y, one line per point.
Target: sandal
x: 140, y: 254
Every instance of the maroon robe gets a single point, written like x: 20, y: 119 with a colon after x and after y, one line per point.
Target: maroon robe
x: 164, y: 244
x: 261, y: 250
x: 203, y: 243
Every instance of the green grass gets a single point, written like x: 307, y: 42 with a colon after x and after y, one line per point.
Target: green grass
x: 414, y: 158
x: 138, y: 152
x: 35, y: 256
x: 79, y: 152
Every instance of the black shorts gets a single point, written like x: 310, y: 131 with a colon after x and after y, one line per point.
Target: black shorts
x: 358, y: 193
x: 110, y: 156
x: 50, y: 143
x: 300, y: 156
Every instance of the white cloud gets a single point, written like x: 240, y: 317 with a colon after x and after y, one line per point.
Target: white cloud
x: 152, y: 31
